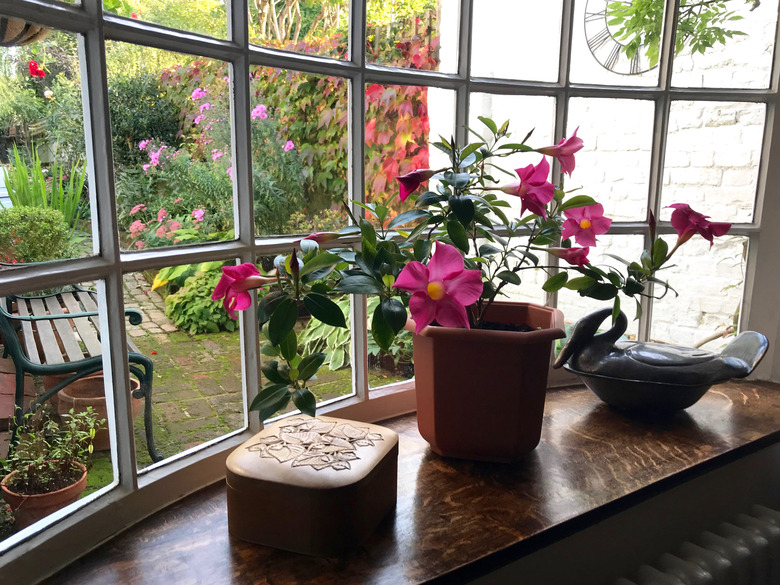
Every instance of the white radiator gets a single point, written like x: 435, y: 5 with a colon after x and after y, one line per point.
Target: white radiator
x: 745, y: 551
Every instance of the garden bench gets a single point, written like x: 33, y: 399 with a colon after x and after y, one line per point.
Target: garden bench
x: 59, y: 334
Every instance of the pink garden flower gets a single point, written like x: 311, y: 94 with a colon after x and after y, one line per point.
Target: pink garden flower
x: 197, y: 214
x: 216, y: 153
x: 259, y: 111
x: 143, y: 144
x: 205, y: 106
x: 574, y: 256
x: 585, y: 223
x: 146, y: 168
x: 136, y: 228
x: 161, y: 215
x: 411, y: 181
x: 564, y: 151
x: 688, y: 222
x: 198, y: 119
x: 177, y: 200
x: 137, y: 208
x: 534, y: 190
x: 289, y: 145
x: 198, y: 93
x: 230, y: 172
x: 442, y: 290
x: 160, y: 231
x: 234, y: 284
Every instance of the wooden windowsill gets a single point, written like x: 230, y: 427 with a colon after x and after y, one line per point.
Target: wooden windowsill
x: 457, y: 519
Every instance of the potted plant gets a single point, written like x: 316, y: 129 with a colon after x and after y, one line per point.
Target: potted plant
x: 448, y: 260
x: 48, y: 468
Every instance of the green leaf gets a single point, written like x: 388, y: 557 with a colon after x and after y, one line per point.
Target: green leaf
x: 509, y: 276
x: 394, y: 313
x: 305, y: 401
x: 407, y: 217
x: 268, y: 305
x: 633, y: 287
x: 270, y: 400
x: 555, y: 282
x: 578, y: 201
x: 463, y: 208
x: 359, y: 284
x: 381, y: 330
x: 289, y: 346
x: 660, y: 250
x: 282, y: 321
x: 615, y: 309
x: 310, y: 365
x: 489, y: 123
x: 324, y: 309
x: 488, y: 250
x: 580, y: 283
x: 422, y: 249
x: 457, y: 234
x: 320, y: 261
x: 429, y: 198
x: 272, y: 374
x: 601, y: 292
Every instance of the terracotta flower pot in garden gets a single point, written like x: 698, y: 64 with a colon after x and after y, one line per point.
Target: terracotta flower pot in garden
x: 29, y: 509
x: 89, y: 391
x: 480, y: 392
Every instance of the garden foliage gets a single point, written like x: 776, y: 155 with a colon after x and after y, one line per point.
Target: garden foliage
x: 33, y: 234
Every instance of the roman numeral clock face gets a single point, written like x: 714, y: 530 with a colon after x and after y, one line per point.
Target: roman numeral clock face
x: 603, y: 45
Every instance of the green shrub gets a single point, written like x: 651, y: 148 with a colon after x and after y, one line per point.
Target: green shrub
x: 140, y: 110
x: 191, y: 307
x: 33, y: 234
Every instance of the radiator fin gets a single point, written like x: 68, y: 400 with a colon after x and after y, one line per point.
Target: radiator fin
x: 745, y: 551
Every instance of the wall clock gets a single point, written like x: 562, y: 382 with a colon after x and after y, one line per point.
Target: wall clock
x: 603, y: 45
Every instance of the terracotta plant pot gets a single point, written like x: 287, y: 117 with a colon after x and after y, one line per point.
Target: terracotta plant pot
x: 480, y: 393
x: 15, y: 32
x: 29, y: 509
x: 89, y: 391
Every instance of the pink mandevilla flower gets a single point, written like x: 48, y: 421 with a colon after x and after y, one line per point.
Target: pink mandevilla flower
x: 688, y: 222
x: 585, y: 223
x: 289, y: 145
x: 534, y: 190
x: 564, y: 151
x: 234, y: 284
x: 574, y: 256
x: 411, y: 181
x: 442, y: 290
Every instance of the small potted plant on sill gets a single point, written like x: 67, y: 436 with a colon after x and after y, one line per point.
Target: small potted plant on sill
x: 480, y: 365
x: 47, y: 470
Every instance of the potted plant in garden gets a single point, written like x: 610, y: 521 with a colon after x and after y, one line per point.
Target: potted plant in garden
x: 480, y: 365
x: 48, y: 468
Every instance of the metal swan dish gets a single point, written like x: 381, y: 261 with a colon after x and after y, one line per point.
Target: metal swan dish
x: 652, y: 378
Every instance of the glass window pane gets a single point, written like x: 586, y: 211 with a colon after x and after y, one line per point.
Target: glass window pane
x: 318, y: 27
x: 712, y: 157
x: 206, y: 17
x: 494, y: 39
x: 401, y: 122
x: 599, y: 53
x: 417, y: 35
x: 44, y: 176
x: 614, y: 163
x: 299, y: 150
x: 194, y: 345
x: 710, y: 283
x: 53, y: 341
x: 742, y: 60
x: 170, y: 125
x: 575, y: 307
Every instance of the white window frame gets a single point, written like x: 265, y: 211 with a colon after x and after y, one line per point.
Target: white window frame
x: 32, y: 555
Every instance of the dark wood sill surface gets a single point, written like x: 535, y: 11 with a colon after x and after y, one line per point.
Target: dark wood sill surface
x: 454, y: 518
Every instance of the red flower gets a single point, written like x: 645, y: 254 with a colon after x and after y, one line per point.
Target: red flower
x: 534, y: 190
x: 35, y: 70
x: 574, y: 256
x: 688, y: 222
x: 133, y: 15
x: 410, y: 181
x: 564, y: 151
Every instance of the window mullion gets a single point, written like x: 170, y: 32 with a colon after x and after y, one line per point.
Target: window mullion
x: 97, y: 129
x: 463, y: 90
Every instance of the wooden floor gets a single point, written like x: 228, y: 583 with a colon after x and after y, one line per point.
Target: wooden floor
x: 455, y: 518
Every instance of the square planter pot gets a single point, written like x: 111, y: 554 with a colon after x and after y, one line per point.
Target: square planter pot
x: 480, y: 393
